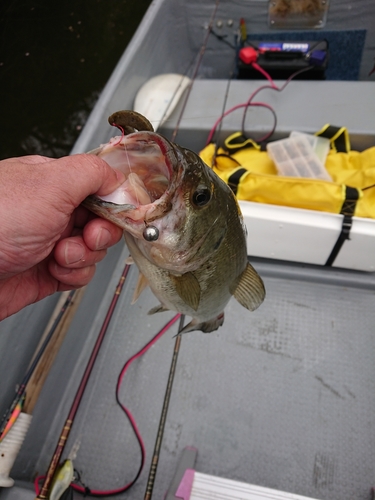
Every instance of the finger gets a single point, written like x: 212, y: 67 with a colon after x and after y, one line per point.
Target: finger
x: 30, y: 159
x: 82, y: 215
x: 72, y: 278
x: 77, y: 221
x: 73, y: 253
x: 85, y: 174
x: 99, y: 234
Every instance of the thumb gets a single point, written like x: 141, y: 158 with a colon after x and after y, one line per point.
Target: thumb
x: 84, y: 174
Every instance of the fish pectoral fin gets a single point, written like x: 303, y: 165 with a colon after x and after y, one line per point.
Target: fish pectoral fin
x: 188, y: 288
x: 142, y: 283
x: 204, y: 326
x: 248, y: 288
x: 158, y: 309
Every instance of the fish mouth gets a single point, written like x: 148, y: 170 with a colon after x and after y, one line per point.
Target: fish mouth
x: 150, y: 165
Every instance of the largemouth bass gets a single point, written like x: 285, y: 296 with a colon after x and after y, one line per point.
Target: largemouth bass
x: 182, y: 225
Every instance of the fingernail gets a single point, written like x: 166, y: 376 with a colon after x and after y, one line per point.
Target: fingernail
x: 103, y: 239
x: 74, y: 252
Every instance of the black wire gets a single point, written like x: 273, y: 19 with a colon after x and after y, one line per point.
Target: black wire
x: 269, y: 134
x: 222, y: 39
x: 278, y: 89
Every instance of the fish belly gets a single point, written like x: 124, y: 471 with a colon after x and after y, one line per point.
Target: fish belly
x: 163, y: 285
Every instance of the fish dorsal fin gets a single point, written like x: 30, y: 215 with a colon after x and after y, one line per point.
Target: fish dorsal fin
x: 188, y: 288
x: 142, y: 283
x: 248, y: 288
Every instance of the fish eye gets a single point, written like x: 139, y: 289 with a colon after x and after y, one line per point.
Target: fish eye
x: 201, y: 196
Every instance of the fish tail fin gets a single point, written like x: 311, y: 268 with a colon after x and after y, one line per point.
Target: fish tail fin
x: 204, y: 326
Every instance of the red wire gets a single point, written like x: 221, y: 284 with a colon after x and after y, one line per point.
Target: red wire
x: 238, y: 106
x: 249, y: 102
x: 36, y: 484
x: 100, y: 493
x: 264, y: 73
x: 273, y: 86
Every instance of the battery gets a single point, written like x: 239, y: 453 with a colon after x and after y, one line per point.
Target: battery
x: 283, y: 58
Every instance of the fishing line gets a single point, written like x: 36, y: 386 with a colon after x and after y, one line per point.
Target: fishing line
x: 69, y: 421
x: 131, y: 183
x: 163, y: 416
x: 197, y: 66
x: 20, y: 394
x: 175, y: 93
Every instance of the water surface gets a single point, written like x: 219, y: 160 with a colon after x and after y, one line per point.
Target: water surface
x: 55, y: 58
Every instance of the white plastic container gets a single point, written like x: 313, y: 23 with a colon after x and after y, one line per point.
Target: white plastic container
x: 307, y: 236
x: 295, y: 157
x: 320, y: 145
x: 10, y: 446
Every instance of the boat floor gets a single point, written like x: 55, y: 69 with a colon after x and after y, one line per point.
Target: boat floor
x: 281, y: 397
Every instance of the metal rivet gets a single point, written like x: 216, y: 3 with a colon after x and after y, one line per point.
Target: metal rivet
x: 151, y: 233
x: 219, y: 24
x: 230, y: 22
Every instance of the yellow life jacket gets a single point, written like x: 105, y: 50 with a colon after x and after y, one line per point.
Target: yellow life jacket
x: 253, y: 177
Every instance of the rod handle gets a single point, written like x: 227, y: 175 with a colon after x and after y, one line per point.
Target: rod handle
x: 10, y: 446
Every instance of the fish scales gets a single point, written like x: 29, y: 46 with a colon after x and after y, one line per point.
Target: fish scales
x: 182, y: 226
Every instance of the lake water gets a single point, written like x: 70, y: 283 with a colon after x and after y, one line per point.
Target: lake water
x: 55, y: 58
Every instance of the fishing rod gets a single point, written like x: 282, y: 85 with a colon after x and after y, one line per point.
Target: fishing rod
x: 17, y: 419
x: 163, y: 415
x: 44, y: 492
x: 197, y: 66
x: 74, y: 408
x: 176, y: 350
x: 20, y: 394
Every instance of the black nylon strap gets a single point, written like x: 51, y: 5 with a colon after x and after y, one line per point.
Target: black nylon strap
x: 234, y: 179
x: 340, y: 143
x: 347, y: 210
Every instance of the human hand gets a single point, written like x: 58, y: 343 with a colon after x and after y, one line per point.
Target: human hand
x: 48, y: 242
